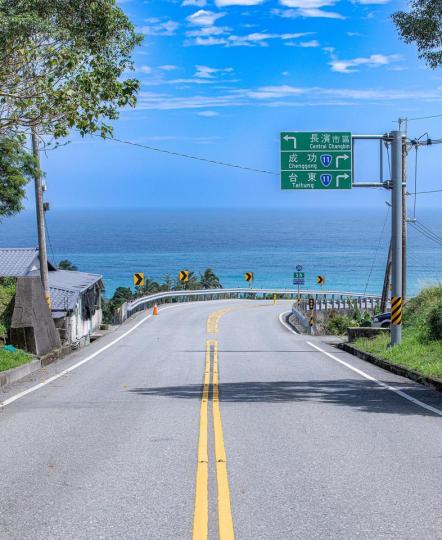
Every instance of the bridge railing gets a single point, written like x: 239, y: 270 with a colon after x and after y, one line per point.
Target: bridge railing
x: 323, y: 299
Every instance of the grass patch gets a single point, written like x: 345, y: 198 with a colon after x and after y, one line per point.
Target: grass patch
x: 421, y: 347
x: 10, y: 360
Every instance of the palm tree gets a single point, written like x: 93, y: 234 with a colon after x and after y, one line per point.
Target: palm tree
x: 209, y: 280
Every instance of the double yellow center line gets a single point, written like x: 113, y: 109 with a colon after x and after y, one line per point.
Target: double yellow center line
x: 201, y: 514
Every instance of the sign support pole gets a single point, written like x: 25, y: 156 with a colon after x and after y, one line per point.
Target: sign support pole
x: 396, y: 237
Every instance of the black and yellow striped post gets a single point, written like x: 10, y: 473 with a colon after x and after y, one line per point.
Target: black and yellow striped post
x: 396, y: 310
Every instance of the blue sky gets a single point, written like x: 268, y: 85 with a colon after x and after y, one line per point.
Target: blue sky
x: 221, y: 79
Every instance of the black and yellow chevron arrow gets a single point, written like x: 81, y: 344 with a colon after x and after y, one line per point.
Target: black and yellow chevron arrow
x: 320, y: 280
x: 184, y: 276
x: 248, y: 276
x: 139, y: 279
x: 396, y: 310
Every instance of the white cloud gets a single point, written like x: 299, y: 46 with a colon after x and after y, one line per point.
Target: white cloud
x: 204, y: 17
x: 144, y: 69
x: 307, y: 8
x: 158, y: 28
x: 373, y: 61
x: 285, y: 96
x: 206, y: 31
x: 207, y: 42
x: 205, y: 72
x: 208, y: 114
x: 197, y: 3
x: 311, y: 43
x: 225, y: 3
x: 168, y: 67
x: 374, y: 2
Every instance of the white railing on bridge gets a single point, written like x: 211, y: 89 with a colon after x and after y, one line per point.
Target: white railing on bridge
x: 324, y: 299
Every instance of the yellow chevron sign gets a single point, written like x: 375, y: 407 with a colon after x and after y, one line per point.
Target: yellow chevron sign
x: 184, y: 276
x: 248, y: 276
x: 139, y: 279
x: 320, y: 280
x: 396, y: 310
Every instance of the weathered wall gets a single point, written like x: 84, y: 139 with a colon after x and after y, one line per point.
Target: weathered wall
x: 32, y: 327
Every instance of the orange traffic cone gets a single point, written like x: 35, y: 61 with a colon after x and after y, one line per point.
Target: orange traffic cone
x: 155, y: 309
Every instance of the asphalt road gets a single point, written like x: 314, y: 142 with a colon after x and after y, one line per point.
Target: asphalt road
x: 289, y: 443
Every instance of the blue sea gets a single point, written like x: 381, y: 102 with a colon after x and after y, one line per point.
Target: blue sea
x: 348, y: 247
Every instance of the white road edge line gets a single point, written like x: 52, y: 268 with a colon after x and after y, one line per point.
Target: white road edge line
x: 289, y: 328
x: 77, y: 365
x: 380, y: 383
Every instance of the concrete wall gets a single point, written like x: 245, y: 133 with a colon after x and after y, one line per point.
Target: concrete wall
x: 32, y: 327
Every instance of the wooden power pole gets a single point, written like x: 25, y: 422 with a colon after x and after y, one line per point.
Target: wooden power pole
x: 40, y: 220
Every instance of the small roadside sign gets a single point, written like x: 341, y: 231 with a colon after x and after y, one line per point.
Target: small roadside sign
x: 248, y: 276
x: 184, y: 276
x: 320, y: 280
x: 139, y: 279
x: 316, y: 160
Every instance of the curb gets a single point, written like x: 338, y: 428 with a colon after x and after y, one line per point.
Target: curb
x: 15, y: 374
x: 397, y: 369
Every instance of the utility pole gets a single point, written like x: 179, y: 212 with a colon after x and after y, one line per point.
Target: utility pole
x: 396, y: 237
x: 40, y: 220
x: 386, y: 287
x: 404, y: 122
x: 404, y: 222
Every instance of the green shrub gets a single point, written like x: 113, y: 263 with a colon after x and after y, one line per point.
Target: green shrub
x: 337, y: 324
x: 434, y: 322
x: 7, y: 295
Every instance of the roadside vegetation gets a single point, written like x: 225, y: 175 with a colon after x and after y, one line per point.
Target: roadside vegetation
x: 205, y: 280
x: 7, y: 295
x: 421, y: 348
x: 337, y: 323
x: 9, y: 360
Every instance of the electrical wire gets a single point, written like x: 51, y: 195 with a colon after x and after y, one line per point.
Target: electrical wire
x: 49, y: 238
x: 190, y: 156
x: 424, y: 192
x: 377, y: 250
x: 427, y: 233
x: 415, y: 183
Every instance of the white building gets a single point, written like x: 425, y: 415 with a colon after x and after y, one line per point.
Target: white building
x: 76, y: 297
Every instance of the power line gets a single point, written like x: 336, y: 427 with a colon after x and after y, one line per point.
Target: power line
x: 377, y: 249
x: 190, y: 156
x: 427, y: 233
x: 421, y: 118
x: 423, y: 192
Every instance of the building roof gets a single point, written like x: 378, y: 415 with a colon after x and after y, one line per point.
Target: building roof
x: 15, y: 262
x: 65, y: 285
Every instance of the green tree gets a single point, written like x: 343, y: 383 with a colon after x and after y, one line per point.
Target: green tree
x: 66, y: 264
x: 62, y: 65
x: 209, y: 280
x: 150, y: 287
x: 422, y: 25
x: 17, y: 167
x: 121, y: 295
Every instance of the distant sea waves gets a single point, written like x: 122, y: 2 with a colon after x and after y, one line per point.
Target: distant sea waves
x: 347, y: 247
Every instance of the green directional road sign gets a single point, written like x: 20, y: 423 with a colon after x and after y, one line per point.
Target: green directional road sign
x: 298, y: 275
x: 316, y: 160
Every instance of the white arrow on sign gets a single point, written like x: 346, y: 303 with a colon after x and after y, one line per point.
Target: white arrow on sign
x: 344, y: 157
x: 287, y: 138
x: 341, y: 177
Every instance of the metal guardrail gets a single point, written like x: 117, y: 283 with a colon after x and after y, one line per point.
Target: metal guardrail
x: 324, y: 299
